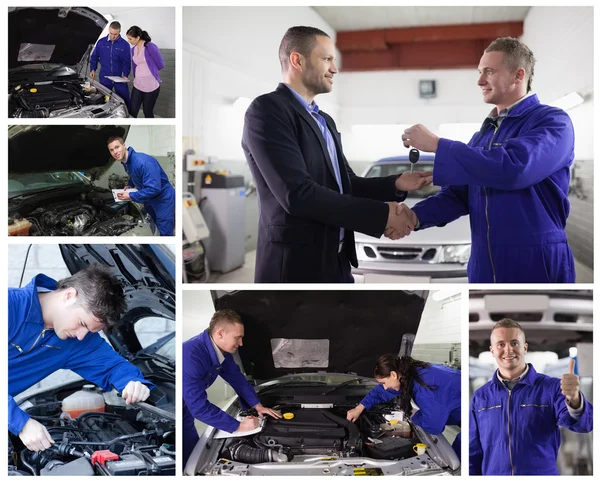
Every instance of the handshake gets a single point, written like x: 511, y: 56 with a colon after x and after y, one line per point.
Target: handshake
x: 401, y: 221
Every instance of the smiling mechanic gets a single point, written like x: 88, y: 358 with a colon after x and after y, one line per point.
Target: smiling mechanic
x: 515, y: 417
x: 153, y: 187
x: 54, y: 325
x: 512, y: 178
x: 434, y: 388
x: 114, y: 56
x: 205, y: 357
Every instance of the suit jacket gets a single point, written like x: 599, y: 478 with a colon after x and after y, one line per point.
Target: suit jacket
x: 301, y: 208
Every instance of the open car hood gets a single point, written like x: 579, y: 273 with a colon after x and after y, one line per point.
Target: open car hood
x: 334, y: 331
x: 52, y: 148
x: 51, y: 34
x: 147, y: 273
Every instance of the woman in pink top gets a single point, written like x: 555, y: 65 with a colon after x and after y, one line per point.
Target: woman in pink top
x: 147, y: 61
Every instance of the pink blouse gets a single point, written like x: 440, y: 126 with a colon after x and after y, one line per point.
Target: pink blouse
x: 144, y: 81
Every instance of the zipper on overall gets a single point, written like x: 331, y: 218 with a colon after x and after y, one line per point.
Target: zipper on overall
x: 37, y: 339
x: 512, y: 468
x: 487, y: 219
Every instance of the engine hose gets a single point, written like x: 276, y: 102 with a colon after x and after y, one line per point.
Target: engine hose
x: 28, y: 466
x: 354, y: 433
x: 248, y: 454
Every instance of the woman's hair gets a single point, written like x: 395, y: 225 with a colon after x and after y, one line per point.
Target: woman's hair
x: 136, y: 31
x: 406, y: 368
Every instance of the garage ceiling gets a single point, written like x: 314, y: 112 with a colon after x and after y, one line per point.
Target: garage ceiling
x: 365, y: 18
x: 409, y: 38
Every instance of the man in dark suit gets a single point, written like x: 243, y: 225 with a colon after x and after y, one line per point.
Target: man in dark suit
x: 310, y: 200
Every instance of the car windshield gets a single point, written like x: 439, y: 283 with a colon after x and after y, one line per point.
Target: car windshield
x: 383, y: 170
x: 19, y: 184
x: 327, y: 379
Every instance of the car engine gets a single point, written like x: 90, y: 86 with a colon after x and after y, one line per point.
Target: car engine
x: 134, y: 440
x: 89, y: 214
x: 321, y: 432
x: 58, y: 98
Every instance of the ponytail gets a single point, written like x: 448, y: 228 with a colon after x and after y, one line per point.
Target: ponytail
x: 406, y: 369
x: 136, y: 31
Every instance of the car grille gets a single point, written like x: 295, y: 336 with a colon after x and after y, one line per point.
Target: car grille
x: 406, y: 253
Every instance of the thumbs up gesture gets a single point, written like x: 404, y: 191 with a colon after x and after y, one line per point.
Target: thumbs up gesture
x: 569, y: 386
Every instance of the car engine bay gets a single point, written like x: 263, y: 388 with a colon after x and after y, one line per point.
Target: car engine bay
x: 93, y: 213
x: 135, y: 440
x: 59, y: 98
x: 320, y: 440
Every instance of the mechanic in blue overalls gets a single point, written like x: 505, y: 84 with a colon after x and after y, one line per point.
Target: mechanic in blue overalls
x: 153, y: 187
x: 512, y: 178
x: 515, y: 417
x: 434, y: 388
x: 54, y: 325
x: 114, y: 54
x: 205, y: 357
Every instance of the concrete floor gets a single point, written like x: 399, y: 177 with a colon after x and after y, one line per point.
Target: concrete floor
x: 245, y: 274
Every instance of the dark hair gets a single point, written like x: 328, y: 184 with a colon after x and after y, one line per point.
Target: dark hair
x: 116, y: 25
x: 406, y: 368
x: 224, y: 317
x: 516, y: 55
x: 508, y: 324
x: 136, y: 31
x: 298, y: 39
x: 97, y: 292
x: 112, y: 138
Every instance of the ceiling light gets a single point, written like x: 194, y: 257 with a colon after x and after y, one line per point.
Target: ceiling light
x: 568, y: 101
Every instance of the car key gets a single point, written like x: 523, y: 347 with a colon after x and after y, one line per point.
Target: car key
x: 413, y: 157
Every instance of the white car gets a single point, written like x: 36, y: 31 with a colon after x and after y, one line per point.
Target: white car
x: 437, y: 254
x: 311, y: 354
x: 48, y: 55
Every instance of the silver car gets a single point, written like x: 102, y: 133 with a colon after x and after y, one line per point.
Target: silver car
x: 437, y: 254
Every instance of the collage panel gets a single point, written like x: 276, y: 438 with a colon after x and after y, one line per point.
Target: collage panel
x: 81, y: 62
x: 388, y: 144
x: 321, y: 383
x: 531, y: 382
x: 91, y: 180
x: 91, y: 360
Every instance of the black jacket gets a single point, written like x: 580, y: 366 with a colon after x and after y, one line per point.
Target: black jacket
x: 301, y: 208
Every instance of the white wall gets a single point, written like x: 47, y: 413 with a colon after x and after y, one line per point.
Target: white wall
x: 159, y: 22
x: 152, y: 139
x: 230, y: 53
x: 440, y: 322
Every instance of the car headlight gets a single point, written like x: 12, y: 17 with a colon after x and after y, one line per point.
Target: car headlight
x: 120, y: 112
x: 455, y: 254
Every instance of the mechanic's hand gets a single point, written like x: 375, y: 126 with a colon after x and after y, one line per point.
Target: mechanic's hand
x: 135, y: 392
x: 569, y: 386
x: 410, y: 181
x: 401, y: 221
x: 353, y: 414
x: 127, y: 187
x: 92, y: 74
x: 261, y: 410
x: 123, y: 196
x: 420, y: 137
x: 125, y: 78
x: 248, y: 424
x: 35, y: 436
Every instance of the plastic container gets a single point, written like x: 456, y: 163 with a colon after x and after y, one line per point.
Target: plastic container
x: 19, y: 227
x: 84, y: 401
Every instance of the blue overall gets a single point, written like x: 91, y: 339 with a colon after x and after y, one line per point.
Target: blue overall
x: 517, y: 432
x: 34, y: 352
x: 115, y: 60
x: 200, y: 370
x: 438, y: 407
x: 513, y: 182
x: 153, y: 189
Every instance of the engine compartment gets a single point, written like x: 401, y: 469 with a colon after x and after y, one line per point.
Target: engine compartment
x: 93, y: 213
x: 130, y: 440
x: 309, y: 432
x: 58, y: 98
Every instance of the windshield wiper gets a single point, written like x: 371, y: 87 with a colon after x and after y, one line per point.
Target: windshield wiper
x: 291, y: 384
x: 46, y: 189
x: 356, y: 380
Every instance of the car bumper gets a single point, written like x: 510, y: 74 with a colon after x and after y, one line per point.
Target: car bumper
x: 407, y: 272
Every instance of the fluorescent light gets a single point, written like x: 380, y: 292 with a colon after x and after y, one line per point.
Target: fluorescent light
x: 445, y: 294
x: 568, y: 101
x: 242, y: 103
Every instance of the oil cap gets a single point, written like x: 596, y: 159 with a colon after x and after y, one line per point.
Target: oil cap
x: 288, y: 416
x: 33, y: 90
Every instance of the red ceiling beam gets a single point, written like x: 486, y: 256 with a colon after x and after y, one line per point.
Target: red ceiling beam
x: 447, y: 46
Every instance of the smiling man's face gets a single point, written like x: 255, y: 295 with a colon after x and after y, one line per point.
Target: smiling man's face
x: 508, y: 347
